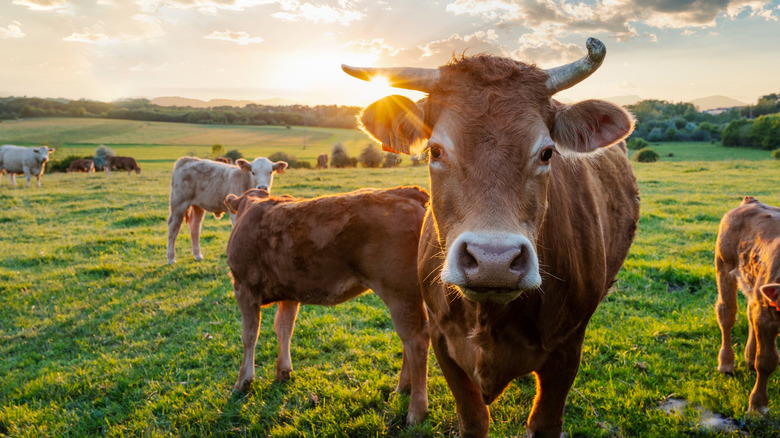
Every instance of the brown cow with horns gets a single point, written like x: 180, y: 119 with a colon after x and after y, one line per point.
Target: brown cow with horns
x: 530, y: 220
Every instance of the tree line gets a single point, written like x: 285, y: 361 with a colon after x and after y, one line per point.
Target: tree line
x: 328, y: 116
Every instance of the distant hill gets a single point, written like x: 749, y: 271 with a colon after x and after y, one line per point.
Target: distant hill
x: 623, y: 100
x: 197, y: 103
x: 713, y: 102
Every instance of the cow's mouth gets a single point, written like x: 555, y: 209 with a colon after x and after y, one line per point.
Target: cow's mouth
x: 496, y: 295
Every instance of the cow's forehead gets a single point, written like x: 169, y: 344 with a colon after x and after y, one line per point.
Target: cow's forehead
x: 262, y: 164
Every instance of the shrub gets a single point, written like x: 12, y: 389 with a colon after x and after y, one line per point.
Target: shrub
x: 419, y: 159
x: 339, y: 157
x: 636, y: 143
x: 646, y: 155
x: 370, y: 156
x: 234, y: 155
x: 217, y: 150
x: 737, y: 133
x: 291, y: 160
x: 655, y: 135
x: 776, y: 154
x: 61, y: 165
x: 100, y: 156
x: 391, y: 160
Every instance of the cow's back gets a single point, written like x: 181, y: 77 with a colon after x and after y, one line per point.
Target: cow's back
x: 12, y: 158
x: 301, y: 247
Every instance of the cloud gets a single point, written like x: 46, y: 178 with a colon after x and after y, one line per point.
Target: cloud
x: 43, y: 5
x: 297, y: 11
x: 617, y: 17
x: 146, y: 67
x: 544, y: 48
x: 207, y: 6
x: 478, y: 42
x: 11, y: 31
x: 87, y: 37
x: 376, y: 47
x: 241, y: 38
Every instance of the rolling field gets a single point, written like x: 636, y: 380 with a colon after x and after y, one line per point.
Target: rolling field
x: 100, y: 337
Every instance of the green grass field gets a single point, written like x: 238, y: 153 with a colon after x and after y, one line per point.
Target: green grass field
x: 100, y: 337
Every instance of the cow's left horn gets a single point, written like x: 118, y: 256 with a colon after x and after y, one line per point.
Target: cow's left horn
x: 568, y: 75
x: 409, y: 78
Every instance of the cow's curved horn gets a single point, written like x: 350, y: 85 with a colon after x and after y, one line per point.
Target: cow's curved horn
x: 568, y: 75
x: 410, y: 78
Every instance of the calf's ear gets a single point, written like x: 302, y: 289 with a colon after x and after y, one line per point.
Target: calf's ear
x: 279, y: 166
x: 772, y: 294
x: 590, y: 124
x: 232, y: 202
x: 396, y: 122
x: 243, y: 165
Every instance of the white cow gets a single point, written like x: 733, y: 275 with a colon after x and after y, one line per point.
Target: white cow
x: 27, y: 160
x: 199, y: 185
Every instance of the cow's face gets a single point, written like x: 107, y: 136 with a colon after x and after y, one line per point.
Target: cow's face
x: 262, y: 171
x: 42, y: 153
x: 493, y: 144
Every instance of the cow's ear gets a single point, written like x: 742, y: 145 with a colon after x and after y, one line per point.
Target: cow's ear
x: 279, y: 166
x: 244, y: 165
x: 51, y: 150
x: 396, y: 122
x: 591, y: 124
x: 232, y: 202
x: 772, y: 294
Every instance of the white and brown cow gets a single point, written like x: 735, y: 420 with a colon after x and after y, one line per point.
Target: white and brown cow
x: 199, y: 185
x: 24, y: 160
x: 747, y: 256
x: 326, y: 251
x: 533, y: 209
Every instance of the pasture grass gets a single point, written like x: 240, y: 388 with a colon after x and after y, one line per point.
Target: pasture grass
x: 99, y: 337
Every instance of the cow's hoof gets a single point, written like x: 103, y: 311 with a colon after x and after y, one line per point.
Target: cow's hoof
x: 171, y: 261
x: 242, y: 387
x: 726, y: 369
x: 198, y: 257
x: 282, y: 376
x: 414, y: 418
x: 762, y: 410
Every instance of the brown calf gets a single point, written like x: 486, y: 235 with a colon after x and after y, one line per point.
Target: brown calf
x: 115, y: 162
x: 747, y: 256
x: 85, y: 165
x: 326, y: 251
x: 531, y: 217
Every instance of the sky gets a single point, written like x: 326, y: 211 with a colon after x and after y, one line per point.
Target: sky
x: 106, y: 50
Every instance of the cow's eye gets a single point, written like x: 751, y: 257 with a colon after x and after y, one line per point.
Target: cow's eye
x: 546, y: 155
x: 436, y: 151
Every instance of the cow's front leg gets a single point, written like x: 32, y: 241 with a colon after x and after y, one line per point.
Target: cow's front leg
x: 553, y: 382
x: 284, y: 324
x: 750, y: 345
x: 12, y: 176
x: 766, y: 363
x: 473, y: 415
x: 27, y: 175
x: 250, y: 321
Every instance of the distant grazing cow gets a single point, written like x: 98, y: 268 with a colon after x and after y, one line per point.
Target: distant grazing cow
x: 85, y: 165
x: 199, y: 185
x: 115, y: 162
x: 226, y: 160
x: 322, y: 161
x: 24, y: 160
x: 747, y: 256
x: 326, y: 251
x: 531, y: 217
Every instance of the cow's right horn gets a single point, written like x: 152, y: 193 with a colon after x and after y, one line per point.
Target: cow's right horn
x: 569, y: 75
x: 409, y: 78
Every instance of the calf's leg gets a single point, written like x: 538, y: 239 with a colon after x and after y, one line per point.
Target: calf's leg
x: 250, y: 323
x: 410, y: 321
x: 284, y: 324
x: 750, y: 345
x: 766, y: 363
x: 726, y: 310
x: 196, y: 219
x: 175, y: 219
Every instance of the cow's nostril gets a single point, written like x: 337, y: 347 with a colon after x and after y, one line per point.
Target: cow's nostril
x: 263, y: 188
x: 520, y: 262
x: 467, y: 259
